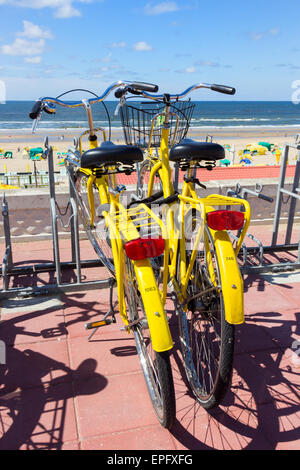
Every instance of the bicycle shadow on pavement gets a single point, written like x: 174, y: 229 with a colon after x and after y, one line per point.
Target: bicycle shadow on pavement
x: 261, y: 409
x: 36, y: 400
x: 37, y: 392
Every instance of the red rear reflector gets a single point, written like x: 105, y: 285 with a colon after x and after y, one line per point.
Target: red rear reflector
x: 225, y: 220
x: 142, y: 248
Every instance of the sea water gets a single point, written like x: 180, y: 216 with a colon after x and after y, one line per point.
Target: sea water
x: 207, y: 114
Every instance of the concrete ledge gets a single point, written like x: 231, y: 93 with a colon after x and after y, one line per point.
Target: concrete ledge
x: 29, y: 211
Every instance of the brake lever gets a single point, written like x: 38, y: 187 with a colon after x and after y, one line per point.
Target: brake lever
x: 35, y: 123
x: 119, y: 105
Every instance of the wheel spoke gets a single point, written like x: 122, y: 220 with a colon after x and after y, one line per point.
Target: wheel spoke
x: 206, y: 338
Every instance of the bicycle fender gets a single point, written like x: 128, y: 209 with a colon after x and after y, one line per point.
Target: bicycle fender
x: 156, y: 316
x: 232, y: 282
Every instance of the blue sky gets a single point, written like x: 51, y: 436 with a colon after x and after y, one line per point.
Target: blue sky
x: 48, y: 46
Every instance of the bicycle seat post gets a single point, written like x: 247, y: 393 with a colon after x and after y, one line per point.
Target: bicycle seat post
x: 167, y: 102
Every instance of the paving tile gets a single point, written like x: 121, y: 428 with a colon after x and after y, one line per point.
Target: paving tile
x: 269, y: 377
x: 291, y: 292
x: 33, y: 327
x: 113, y: 409
x: 38, y: 418
x: 31, y: 365
x: 282, y: 327
x: 281, y: 425
x: 80, y: 313
x: 111, y: 355
x: 266, y: 300
x: 232, y: 425
x: 74, y: 445
x: 121, y: 404
x: 251, y: 337
x: 144, y: 438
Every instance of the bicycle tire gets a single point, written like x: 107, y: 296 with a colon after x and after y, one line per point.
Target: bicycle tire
x: 156, y: 366
x: 206, y: 338
x: 100, y: 243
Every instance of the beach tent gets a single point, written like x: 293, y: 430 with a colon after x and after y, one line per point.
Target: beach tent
x: 266, y: 144
x: 35, y: 153
x: 258, y: 149
x: 225, y: 162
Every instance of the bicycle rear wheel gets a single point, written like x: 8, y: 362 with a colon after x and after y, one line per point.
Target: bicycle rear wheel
x: 98, y: 235
x: 206, y: 338
x: 155, y: 365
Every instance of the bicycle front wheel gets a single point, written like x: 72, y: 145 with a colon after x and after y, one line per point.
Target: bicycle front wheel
x: 97, y: 234
x: 155, y: 365
x: 206, y: 338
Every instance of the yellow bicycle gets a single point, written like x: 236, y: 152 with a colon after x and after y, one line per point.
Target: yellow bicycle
x: 116, y: 234
x: 200, y: 262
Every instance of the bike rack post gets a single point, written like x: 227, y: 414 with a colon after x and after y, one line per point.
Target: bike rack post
x: 49, y: 151
x: 274, y: 247
x: 6, y: 228
x: 8, y: 269
x: 75, y: 247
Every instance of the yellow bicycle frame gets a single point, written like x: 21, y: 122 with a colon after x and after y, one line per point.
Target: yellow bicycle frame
x: 122, y: 229
x: 231, y: 279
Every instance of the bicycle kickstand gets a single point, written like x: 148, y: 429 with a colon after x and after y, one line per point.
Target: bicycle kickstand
x: 111, y: 312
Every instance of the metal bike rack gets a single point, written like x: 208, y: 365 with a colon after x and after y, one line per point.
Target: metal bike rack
x: 259, y: 251
x: 76, y: 264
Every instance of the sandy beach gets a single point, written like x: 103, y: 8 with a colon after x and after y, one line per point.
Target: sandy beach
x: 61, y: 140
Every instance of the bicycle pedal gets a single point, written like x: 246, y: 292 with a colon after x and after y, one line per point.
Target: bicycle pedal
x: 98, y: 324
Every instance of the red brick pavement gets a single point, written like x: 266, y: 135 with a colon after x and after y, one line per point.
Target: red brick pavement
x: 61, y: 391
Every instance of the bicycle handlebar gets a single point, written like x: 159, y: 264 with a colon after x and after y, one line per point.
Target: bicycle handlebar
x: 142, y: 87
x: 219, y: 88
x: 139, y: 86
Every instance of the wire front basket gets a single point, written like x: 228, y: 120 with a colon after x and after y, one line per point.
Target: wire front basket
x: 137, y: 121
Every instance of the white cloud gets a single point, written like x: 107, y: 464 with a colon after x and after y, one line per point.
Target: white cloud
x: 62, y: 8
x: 33, y: 60
x: 24, y: 47
x: 187, y: 70
x: 29, y: 43
x: 142, y: 46
x: 66, y: 11
x: 107, y: 58
x: 33, y: 31
x: 190, y: 70
x: 257, y: 36
x: 160, y: 8
x: 116, y: 45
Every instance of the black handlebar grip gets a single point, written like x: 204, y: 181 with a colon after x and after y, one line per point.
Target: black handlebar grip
x: 35, y: 110
x: 266, y: 198
x: 223, y: 89
x: 142, y: 86
x: 120, y: 92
